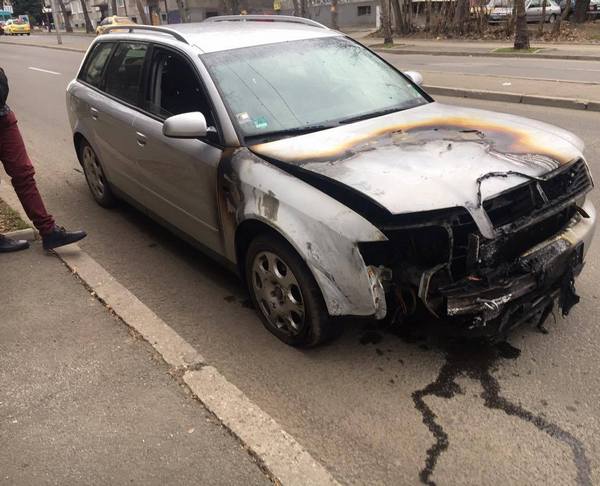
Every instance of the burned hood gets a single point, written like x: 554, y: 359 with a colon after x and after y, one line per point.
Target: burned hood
x: 429, y: 157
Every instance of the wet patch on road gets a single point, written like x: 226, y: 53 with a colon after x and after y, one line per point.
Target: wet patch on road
x: 476, y: 360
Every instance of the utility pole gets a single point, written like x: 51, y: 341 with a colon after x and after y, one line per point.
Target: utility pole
x: 55, y: 18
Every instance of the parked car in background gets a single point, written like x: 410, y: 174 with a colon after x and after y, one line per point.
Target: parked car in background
x: 501, y: 10
x: 593, y: 9
x: 111, y: 22
x: 330, y: 181
x: 17, y: 27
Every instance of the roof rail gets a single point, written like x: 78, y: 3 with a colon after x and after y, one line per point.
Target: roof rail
x: 266, y: 18
x: 151, y: 28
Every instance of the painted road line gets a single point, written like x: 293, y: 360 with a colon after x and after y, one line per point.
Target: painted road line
x: 281, y: 455
x: 43, y: 70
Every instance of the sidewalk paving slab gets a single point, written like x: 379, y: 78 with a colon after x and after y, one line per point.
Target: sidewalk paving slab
x: 85, y: 401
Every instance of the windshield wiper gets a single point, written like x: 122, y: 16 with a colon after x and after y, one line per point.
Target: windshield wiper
x: 372, y: 114
x: 288, y: 132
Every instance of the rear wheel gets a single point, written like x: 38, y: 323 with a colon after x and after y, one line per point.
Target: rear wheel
x: 285, y: 294
x: 94, y: 174
x: 552, y: 19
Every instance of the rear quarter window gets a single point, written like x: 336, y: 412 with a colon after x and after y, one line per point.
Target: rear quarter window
x: 94, y: 66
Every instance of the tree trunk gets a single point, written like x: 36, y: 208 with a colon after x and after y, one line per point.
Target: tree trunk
x: 296, y: 4
x: 334, y: 15
x: 86, y: 16
x: 542, y: 20
x: 565, y: 14
x: 428, y: 16
x: 386, y: 22
x: 521, y: 34
x: 303, y: 8
x: 181, y: 7
x: 581, y: 9
x: 397, y: 21
x: 460, y: 16
x: 113, y: 7
x: 65, y: 15
x: 142, y: 12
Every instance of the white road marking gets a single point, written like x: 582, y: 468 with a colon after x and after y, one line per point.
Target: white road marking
x: 43, y: 70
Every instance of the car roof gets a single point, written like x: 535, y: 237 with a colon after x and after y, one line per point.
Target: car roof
x: 221, y: 35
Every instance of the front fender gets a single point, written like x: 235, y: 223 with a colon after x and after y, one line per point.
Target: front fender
x: 323, y: 231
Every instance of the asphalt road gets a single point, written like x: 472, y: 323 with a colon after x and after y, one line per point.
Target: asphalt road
x: 373, y: 408
x: 540, y: 69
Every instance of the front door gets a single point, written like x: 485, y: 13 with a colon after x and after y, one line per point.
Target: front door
x: 179, y: 175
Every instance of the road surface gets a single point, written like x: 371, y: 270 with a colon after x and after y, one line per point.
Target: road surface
x: 371, y: 407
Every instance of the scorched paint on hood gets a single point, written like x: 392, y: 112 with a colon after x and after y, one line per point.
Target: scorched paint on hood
x: 429, y: 157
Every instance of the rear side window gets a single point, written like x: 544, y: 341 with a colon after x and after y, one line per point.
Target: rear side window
x: 92, y: 72
x: 124, y: 72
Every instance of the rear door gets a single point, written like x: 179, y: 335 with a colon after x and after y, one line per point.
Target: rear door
x: 179, y: 175
x: 114, y: 111
x: 534, y: 11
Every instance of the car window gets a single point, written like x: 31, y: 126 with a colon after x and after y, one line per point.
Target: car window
x: 124, y: 71
x: 92, y: 71
x: 307, y: 84
x: 534, y: 4
x: 174, y: 87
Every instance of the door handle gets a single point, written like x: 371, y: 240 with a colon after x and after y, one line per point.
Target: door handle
x: 94, y: 112
x: 141, y: 138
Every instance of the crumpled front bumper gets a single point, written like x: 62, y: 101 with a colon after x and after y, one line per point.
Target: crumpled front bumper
x: 543, y: 275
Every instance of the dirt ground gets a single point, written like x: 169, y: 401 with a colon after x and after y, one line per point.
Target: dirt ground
x: 9, y: 219
x: 588, y: 32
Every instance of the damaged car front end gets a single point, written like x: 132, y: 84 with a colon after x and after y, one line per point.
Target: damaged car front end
x: 509, y: 248
x: 443, y: 267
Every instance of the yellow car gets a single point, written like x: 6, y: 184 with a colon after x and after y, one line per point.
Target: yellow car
x: 110, y: 21
x: 17, y: 27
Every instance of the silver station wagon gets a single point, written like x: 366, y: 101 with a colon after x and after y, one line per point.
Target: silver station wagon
x: 330, y: 181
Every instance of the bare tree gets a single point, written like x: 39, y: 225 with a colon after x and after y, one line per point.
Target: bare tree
x: 521, y: 33
x: 543, y: 19
x: 141, y: 11
x: 303, y: 8
x: 113, y: 7
x: 334, y: 15
x: 65, y: 15
x: 565, y: 15
x: 386, y: 22
x: 181, y: 6
x: 86, y: 17
x: 581, y: 9
x: 296, y: 4
x: 460, y: 16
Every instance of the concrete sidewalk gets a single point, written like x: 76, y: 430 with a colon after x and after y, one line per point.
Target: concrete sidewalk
x: 85, y: 401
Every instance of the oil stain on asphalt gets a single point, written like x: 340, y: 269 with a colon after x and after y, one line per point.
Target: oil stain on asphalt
x: 477, y: 361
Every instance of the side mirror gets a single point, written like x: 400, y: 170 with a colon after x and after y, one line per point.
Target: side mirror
x: 186, y: 125
x: 415, y: 77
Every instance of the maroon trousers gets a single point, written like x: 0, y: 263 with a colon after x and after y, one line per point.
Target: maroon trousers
x: 18, y: 166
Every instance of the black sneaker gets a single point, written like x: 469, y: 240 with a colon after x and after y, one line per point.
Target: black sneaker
x: 61, y: 237
x: 8, y: 245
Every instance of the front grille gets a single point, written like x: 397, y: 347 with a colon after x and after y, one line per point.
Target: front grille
x: 527, y: 199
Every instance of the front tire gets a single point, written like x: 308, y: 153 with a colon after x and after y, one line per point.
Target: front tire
x: 285, y: 294
x: 95, y: 177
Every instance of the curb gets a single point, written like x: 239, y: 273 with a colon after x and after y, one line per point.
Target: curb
x: 573, y: 104
x: 44, y: 46
x: 283, y: 458
x: 487, y: 54
x: 28, y: 234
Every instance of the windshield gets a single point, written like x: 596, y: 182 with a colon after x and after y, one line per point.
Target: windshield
x: 278, y: 89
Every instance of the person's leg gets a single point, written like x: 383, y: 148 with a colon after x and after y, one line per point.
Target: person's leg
x: 18, y: 166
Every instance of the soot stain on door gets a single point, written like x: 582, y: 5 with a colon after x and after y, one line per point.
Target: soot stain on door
x: 477, y: 362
